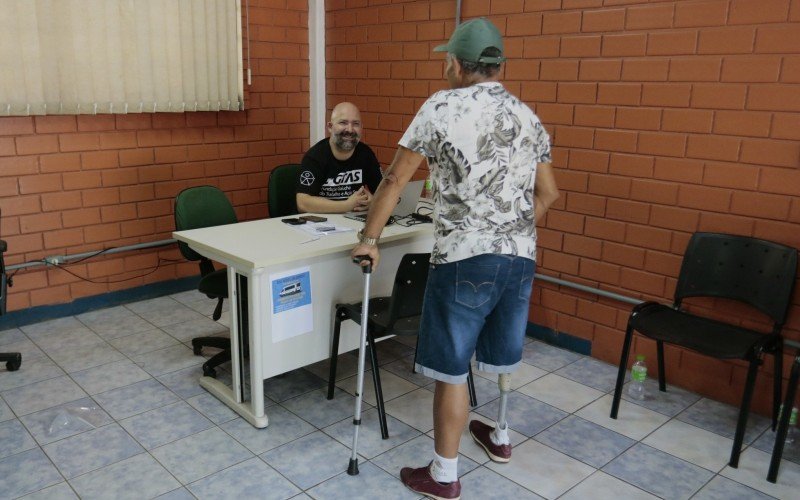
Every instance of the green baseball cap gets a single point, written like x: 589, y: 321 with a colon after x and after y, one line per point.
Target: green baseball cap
x: 471, y: 38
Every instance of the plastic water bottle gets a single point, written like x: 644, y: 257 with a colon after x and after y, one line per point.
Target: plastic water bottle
x: 638, y: 376
x: 427, y: 191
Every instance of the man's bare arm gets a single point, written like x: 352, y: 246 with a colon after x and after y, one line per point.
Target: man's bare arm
x: 395, y: 178
x: 545, y: 191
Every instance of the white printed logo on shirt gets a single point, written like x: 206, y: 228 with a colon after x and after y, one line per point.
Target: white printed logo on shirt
x: 306, y: 178
x: 344, y: 178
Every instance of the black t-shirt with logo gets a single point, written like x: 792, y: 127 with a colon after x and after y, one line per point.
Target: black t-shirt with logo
x: 321, y: 174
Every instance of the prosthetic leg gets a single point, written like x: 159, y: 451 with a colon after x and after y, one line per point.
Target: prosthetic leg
x: 495, y: 439
x: 504, y: 383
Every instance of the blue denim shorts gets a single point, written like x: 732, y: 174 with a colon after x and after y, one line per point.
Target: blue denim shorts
x: 476, y: 305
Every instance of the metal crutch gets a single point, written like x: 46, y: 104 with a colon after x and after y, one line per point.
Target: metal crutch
x: 352, y: 467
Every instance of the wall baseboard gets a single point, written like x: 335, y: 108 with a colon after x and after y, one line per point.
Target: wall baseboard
x: 559, y: 339
x: 22, y: 317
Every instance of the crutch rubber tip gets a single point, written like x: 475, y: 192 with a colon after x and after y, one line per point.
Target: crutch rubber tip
x: 352, y: 468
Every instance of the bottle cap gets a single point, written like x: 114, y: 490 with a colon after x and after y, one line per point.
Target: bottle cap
x: 640, y: 357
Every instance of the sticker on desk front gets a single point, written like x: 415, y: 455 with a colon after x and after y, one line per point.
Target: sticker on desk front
x: 292, y: 313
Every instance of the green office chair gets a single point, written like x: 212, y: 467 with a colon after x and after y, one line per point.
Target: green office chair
x: 282, y: 190
x: 13, y: 360
x: 198, y: 207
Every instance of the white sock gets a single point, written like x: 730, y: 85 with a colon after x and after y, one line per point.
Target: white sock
x: 444, y: 470
x: 500, y: 436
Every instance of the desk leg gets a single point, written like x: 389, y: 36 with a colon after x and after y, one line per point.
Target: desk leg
x: 235, y: 297
x: 233, y: 396
x: 255, y: 285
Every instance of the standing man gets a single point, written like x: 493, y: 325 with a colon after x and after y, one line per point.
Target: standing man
x: 489, y: 157
x: 338, y: 174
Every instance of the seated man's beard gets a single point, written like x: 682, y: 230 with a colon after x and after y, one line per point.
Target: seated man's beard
x: 346, y: 141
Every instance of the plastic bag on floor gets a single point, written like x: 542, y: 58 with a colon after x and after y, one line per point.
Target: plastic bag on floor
x: 77, y: 418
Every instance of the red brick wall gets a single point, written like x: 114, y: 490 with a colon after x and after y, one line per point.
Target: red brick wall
x: 667, y: 117
x: 71, y: 184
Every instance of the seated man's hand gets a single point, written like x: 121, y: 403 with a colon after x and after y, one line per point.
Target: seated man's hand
x: 360, y: 200
x: 363, y: 204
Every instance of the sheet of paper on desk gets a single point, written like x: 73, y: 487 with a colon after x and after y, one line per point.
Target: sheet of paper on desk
x: 292, y: 307
x: 317, y: 229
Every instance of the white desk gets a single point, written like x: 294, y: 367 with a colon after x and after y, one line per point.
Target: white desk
x: 263, y: 248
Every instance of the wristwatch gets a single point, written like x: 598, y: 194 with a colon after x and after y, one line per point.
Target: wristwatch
x: 364, y: 240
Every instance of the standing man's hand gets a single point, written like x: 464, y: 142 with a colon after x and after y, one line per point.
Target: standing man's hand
x: 403, y: 166
x: 545, y: 191
x: 369, y: 250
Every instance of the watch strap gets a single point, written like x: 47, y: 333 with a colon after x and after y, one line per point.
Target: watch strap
x: 365, y: 240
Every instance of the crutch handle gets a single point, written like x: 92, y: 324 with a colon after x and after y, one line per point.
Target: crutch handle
x: 358, y: 259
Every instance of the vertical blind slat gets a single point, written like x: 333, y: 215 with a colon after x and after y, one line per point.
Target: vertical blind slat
x: 187, y: 63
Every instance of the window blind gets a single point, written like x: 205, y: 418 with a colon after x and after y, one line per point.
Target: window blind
x: 120, y: 56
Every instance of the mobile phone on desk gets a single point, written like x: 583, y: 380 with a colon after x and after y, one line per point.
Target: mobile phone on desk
x: 293, y: 221
x: 313, y: 218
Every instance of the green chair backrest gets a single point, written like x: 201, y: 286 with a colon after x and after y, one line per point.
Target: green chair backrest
x: 282, y: 190
x: 201, y: 206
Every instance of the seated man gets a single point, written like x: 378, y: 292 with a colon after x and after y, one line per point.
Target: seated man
x: 339, y: 174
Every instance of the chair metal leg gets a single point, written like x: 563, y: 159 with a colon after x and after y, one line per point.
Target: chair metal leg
x: 623, y: 362
x: 662, y: 370
x: 473, y: 398
x: 214, y: 361
x: 376, y: 379
x: 783, y: 424
x: 744, y: 410
x: 217, y: 314
x: 337, y: 326
x: 414, y: 362
x: 777, y: 381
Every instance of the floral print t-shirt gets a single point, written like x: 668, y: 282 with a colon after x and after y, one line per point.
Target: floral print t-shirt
x: 483, y: 146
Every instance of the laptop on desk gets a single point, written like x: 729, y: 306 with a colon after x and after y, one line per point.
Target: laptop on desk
x: 406, y: 205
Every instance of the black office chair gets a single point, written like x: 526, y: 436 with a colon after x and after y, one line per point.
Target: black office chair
x: 758, y: 273
x: 13, y: 360
x: 282, y: 189
x: 395, y: 315
x: 198, y: 207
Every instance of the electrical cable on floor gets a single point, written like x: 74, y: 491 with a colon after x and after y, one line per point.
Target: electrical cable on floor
x: 90, y: 256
